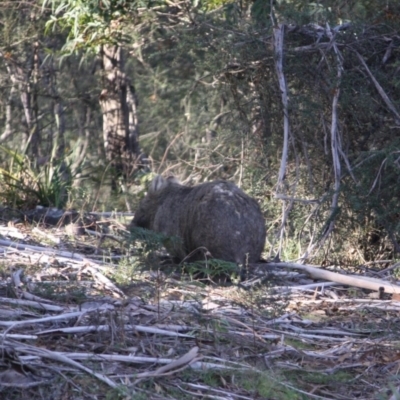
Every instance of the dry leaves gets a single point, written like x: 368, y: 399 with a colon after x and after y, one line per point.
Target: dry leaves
x: 170, y: 327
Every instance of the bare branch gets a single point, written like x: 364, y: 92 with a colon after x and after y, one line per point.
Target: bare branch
x: 380, y: 90
x: 278, y: 47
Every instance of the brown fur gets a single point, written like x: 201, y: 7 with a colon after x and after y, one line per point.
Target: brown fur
x: 215, y: 215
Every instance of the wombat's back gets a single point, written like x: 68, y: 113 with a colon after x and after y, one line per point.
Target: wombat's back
x: 225, y: 220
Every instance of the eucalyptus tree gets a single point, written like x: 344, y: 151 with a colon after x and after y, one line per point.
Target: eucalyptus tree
x: 98, y: 27
x: 112, y: 29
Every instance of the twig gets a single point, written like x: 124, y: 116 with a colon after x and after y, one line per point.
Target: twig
x: 380, y: 90
x: 106, y: 328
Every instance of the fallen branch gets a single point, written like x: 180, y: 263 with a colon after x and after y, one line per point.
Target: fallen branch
x: 106, y: 328
x: 57, y: 356
x: 350, y: 280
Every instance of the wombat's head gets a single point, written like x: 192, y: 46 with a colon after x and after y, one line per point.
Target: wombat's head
x: 145, y: 214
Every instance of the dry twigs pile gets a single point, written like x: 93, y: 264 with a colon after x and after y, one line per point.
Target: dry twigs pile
x: 68, y: 331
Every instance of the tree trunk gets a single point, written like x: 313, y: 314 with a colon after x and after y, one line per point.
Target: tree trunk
x: 24, y: 76
x: 118, y: 105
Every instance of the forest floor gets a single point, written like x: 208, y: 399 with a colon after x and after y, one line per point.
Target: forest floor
x: 80, y: 320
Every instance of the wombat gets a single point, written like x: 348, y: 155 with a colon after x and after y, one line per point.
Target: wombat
x: 216, y: 215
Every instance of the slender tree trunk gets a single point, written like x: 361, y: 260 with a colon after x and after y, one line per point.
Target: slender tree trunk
x: 118, y: 105
x: 8, y: 131
x: 24, y: 76
x: 35, y: 136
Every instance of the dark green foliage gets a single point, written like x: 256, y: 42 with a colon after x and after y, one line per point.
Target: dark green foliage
x: 150, y: 241
x: 24, y: 185
x: 213, y: 269
x: 373, y: 201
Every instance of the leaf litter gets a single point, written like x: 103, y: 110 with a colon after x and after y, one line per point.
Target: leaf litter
x: 66, y: 323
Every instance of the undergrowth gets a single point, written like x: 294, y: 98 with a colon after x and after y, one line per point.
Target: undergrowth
x: 25, y: 184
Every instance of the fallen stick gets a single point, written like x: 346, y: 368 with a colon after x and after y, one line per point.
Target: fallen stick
x: 350, y: 280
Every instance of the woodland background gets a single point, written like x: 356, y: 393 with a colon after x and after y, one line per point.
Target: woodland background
x: 296, y: 101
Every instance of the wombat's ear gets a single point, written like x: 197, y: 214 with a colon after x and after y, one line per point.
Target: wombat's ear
x: 173, y: 180
x: 158, y: 183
